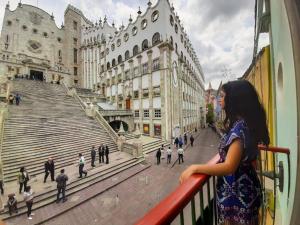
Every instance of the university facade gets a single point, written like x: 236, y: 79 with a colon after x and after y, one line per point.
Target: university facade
x: 148, y: 66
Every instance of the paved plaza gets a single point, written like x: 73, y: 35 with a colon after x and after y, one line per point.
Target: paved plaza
x: 127, y: 196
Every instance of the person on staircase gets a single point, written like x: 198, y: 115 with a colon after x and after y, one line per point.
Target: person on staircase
x: 49, y: 167
x: 81, y: 163
x: 106, y: 154
x: 12, y: 204
x: 23, y: 178
x: 61, y: 181
x: 101, y: 154
x: 28, y: 198
x: 18, y: 98
x: 93, y: 156
x: 1, y: 179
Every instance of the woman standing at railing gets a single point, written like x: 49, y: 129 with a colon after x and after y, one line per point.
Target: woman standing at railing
x: 238, y: 187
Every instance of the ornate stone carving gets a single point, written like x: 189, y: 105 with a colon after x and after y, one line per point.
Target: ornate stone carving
x: 35, y: 18
x: 34, y: 46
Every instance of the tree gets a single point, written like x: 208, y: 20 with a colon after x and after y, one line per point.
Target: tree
x: 210, y: 114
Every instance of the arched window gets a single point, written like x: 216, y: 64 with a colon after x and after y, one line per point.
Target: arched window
x: 108, y: 65
x: 155, y: 38
x: 59, y: 53
x: 135, y: 50
x: 176, y: 48
x: 113, y: 63
x: 145, y: 45
x: 119, y: 59
x: 126, y: 55
x: 154, y: 16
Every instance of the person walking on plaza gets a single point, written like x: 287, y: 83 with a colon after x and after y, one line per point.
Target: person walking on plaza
x: 162, y: 149
x: 176, y: 142
x: 18, y: 98
x: 61, y: 181
x: 192, y: 140
x: 81, y: 163
x: 93, y: 156
x: 169, y: 155
x: 106, y: 154
x: 180, y: 154
x: 180, y: 142
x: 49, y: 167
x: 23, y: 178
x: 238, y: 188
x: 28, y: 198
x: 185, y: 139
x: 101, y: 151
x: 158, y: 155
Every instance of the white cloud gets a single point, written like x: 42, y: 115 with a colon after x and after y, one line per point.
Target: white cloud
x: 221, y: 31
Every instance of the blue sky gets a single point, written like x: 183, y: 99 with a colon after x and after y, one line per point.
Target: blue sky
x: 221, y: 31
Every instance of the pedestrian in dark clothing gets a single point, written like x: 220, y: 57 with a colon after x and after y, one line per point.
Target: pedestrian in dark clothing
x: 158, y: 155
x: 49, y: 168
x: 18, y: 98
x: 192, y: 140
x: 1, y: 179
x: 185, y: 139
x: 176, y: 142
x: 61, y: 181
x: 12, y: 204
x: 11, y: 99
x: 93, y: 156
x: 23, y: 178
x: 81, y: 163
x: 106, y: 154
x: 180, y: 142
x: 101, y: 153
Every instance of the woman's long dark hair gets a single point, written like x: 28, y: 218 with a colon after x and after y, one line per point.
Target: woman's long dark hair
x: 242, y: 101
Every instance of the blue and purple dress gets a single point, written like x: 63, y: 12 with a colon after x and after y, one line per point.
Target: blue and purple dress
x: 239, y: 194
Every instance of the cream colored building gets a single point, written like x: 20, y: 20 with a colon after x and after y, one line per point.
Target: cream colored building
x: 148, y: 66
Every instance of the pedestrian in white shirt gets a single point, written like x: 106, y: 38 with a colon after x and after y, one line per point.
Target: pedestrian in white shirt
x: 180, y: 154
x: 81, y: 163
x: 169, y: 155
x: 28, y: 198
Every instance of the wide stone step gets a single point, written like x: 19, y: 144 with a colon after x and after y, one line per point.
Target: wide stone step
x: 73, y: 187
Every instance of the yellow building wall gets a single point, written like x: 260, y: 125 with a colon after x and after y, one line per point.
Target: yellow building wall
x: 260, y: 76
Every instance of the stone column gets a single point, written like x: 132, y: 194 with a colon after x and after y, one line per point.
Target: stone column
x: 123, y: 87
x: 150, y: 88
x: 130, y: 61
x: 139, y: 58
x: 110, y: 84
x: 117, y: 86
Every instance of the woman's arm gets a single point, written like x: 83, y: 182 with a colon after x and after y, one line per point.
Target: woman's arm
x: 230, y: 165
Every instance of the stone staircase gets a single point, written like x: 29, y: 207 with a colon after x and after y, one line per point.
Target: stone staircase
x: 47, y: 123
x: 154, y: 145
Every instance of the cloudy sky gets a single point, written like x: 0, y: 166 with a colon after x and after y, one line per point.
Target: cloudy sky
x: 221, y: 31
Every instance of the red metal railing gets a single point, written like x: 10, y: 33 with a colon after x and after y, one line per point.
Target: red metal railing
x: 173, y: 205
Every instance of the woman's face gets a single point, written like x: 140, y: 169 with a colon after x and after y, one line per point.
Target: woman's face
x: 222, y: 99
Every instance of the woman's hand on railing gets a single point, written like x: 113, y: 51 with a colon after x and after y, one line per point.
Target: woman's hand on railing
x: 187, y: 173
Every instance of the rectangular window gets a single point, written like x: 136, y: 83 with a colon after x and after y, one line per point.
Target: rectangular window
x: 75, y: 41
x: 146, y: 113
x: 136, y: 113
x: 156, y: 91
x: 75, y: 55
x: 136, y: 94
x: 127, y: 74
x: 155, y: 64
x: 157, y: 113
x: 136, y: 71
x: 145, y: 93
x: 157, y: 129
x: 146, y: 128
x: 145, y: 68
x: 75, y: 81
x: 75, y: 71
x: 74, y: 25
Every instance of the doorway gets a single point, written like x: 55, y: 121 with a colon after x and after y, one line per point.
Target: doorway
x: 36, y: 75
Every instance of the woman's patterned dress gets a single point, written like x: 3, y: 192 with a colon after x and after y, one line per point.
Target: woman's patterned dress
x: 239, y: 194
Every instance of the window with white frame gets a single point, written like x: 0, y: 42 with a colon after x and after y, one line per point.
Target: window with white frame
x: 136, y: 113
x: 146, y: 113
x: 155, y: 64
x: 157, y: 113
